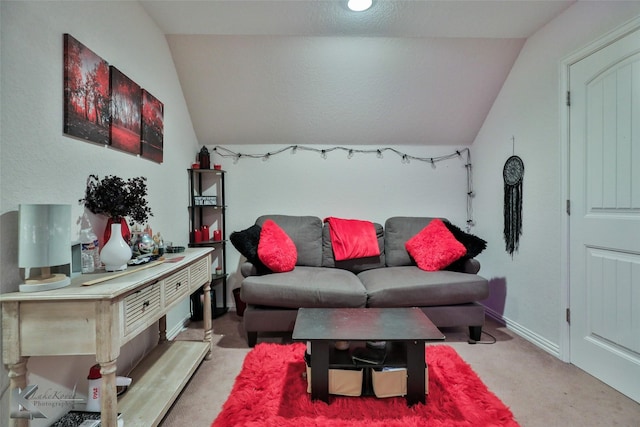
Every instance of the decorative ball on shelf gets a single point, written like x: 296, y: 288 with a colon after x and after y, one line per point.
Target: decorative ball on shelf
x: 143, y: 245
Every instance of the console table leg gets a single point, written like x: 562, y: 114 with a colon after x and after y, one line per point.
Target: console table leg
x: 108, y: 397
x: 206, y: 316
x: 320, y: 371
x: 415, y: 372
x: 162, y: 329
x: 18, y: 380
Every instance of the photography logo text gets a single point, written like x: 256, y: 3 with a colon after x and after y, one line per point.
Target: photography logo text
x: 28, y: 403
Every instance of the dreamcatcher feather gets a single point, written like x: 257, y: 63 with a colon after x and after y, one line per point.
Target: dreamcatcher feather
x: 513, y: 173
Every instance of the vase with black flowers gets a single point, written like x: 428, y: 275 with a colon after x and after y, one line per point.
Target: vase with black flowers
x: 117, y: 199
x: 116, y: 252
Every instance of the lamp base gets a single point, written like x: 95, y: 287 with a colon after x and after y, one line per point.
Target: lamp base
x: 45, y: 283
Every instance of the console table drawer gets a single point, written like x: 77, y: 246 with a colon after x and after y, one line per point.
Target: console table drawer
x: 200, y: 272
x: 141, y: 307
x: 175, y: 286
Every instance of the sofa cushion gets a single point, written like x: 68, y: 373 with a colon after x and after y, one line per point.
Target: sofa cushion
x: 353, y: 265
x: 397, y: 230
x: 306, y: 233
x: 411, y: 287
x: 434, y: 247
x: 305, y: 287
x: 276, y: 250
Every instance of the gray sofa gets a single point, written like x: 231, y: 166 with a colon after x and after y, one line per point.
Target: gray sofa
x: 448, y: 298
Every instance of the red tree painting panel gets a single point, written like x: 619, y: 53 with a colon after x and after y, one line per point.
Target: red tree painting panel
x: 126, y: 99
x: 152, y: 127
x: 86, y: 93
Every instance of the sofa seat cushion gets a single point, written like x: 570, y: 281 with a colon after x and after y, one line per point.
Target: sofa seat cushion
x: 411, y: 287
x: 305, y: 287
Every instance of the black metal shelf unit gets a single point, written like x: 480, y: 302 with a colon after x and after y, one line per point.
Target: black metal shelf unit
x: 207, y: 208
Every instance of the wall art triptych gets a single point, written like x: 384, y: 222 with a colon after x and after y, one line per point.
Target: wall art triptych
x: 104, y: 106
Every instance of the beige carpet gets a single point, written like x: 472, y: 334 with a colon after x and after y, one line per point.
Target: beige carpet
x: 539, y: 389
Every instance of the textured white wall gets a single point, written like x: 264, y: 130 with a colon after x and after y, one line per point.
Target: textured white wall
x: 527, y: 290
x: 41, y: 165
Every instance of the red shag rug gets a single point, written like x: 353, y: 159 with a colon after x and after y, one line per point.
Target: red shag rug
x: 271, y: 391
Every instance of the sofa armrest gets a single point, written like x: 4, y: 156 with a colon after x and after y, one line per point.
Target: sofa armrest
x: 248, y: 269
x: 471, y: 266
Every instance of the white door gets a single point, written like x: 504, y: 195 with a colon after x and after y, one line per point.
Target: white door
x: 604, y: 242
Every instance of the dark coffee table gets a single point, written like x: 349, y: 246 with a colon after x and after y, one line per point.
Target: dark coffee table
x: 409, y: 327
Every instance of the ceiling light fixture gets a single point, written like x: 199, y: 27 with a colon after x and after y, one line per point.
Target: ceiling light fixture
x: 359, y: 5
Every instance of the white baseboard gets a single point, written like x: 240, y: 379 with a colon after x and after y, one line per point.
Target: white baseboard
x: 527, y: 334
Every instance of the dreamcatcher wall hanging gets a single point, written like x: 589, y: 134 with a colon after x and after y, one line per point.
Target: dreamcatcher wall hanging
x: 513, y: 172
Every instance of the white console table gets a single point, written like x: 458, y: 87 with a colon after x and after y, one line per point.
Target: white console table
x: 99, y: 319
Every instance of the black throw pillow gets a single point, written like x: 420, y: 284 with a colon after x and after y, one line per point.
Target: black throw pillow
x: 246, y: 242
x: 474, y: 244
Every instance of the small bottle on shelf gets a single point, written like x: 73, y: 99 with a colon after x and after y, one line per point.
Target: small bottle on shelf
x: 90, y: 254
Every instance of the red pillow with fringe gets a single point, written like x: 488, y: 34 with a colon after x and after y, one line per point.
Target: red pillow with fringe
x: 434, y: 247
x: 276, y: 250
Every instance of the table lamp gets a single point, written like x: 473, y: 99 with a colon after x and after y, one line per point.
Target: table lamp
x: 44, y: 237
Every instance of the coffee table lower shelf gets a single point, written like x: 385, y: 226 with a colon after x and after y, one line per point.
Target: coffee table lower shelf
x: 373, y: 380
x: 415, y: 364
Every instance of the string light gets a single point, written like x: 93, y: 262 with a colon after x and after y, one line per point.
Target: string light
x: 405, y: 158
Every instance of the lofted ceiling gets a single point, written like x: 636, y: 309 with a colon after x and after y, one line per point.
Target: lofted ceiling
x: 313, y: 72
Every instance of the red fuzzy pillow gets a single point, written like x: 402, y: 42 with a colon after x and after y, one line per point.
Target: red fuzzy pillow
x: 434, y: 247
x: 276, y: 250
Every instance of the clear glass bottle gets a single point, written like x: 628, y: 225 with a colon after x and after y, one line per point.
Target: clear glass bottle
x: 89, y: 250
x: 159, y: 244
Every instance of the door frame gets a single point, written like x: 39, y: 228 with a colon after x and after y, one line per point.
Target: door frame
x: 565, y: 66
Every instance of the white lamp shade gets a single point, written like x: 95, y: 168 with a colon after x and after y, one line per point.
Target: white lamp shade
x: 44, y: 235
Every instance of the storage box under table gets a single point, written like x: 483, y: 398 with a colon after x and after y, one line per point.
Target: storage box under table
x: 390, y: 382
x: 393, y: 381
x: 343, y: 382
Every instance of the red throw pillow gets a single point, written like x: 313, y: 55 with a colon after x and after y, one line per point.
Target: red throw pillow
x: 434, y: 247
x: 276, y: 250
